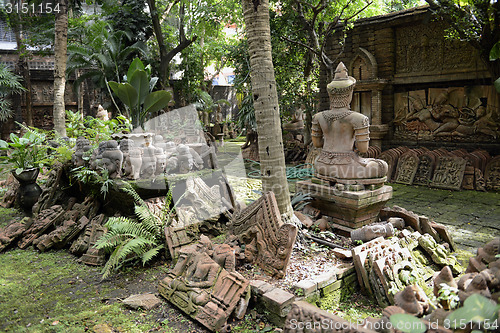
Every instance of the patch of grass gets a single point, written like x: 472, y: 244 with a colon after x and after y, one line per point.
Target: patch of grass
x: 52, y: 292
x: 357, y: 307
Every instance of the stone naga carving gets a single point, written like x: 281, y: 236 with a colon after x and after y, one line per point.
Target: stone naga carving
x: 268, y: 242
x: 338, y: 130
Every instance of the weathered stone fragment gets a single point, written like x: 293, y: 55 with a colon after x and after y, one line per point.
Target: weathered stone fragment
x: 268, y: 242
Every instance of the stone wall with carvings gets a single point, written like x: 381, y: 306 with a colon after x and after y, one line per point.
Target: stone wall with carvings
x: 42, y: 81
x: 435, y: 92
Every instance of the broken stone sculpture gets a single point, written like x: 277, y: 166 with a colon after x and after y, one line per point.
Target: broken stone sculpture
x: 222, y: 254
x: 268, y: 242
x: 338, y: 130
x: 439, y: 254
x: 93, y: 256
x: 81, y: 245
x: 10, y: 233
x: 200, y: 203
x: 372, y: 231
x: 82, y: 146
x: 203, y: 289
x: 44, y: 220
x: 61, y: 235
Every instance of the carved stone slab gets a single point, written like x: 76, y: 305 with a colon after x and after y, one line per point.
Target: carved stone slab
x: 492, y: 174
x: 202, y: 289
x: 44, y: 220
x: 268, y: 242
x: 10, y: 234
x: 360, y: 258
x: 449, y: 172
x: 425, y: 170
x: 81, y: 245
x: 177, y: 238
x: 407, y: 167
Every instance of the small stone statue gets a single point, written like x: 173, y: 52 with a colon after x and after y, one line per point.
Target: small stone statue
x: 135, y: 156
x: 161, y: 161
x: 372, y: 231
x: 102, y: 114
x: 170, y: 149
x: 160, y: 142
x: 112, y: 159
x: 338, y: 130
x: 125, y: 146
x: 185, y: 160
x: 148, y: 167
x: 82, y: 146
x: 446, y: 277
x: 412, y: 301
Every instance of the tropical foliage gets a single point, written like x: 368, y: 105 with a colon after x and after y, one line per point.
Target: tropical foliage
x: 131, y: 240
x: 9, y: 84
x: 26, y: 151
x: 137, y: 93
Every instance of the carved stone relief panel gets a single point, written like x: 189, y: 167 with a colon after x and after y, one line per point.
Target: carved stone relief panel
x: 463, y: 114
x: 268, y: 242
x: 422, y: 49
x: 492, y: 174
x: 425, y: 170
x: 407, y: 168
x: 449, y: 172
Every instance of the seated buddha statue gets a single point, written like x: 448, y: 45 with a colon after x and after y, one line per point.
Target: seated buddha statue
x: 341, y: 133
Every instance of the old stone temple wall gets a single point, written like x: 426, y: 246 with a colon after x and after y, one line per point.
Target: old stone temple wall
x: 419, y: 88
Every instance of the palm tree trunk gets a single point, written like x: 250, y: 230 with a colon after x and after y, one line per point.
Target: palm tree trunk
x: 60, y: 57
x: 265, y: 101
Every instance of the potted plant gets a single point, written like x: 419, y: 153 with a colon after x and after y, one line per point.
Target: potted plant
x: 26, y: 154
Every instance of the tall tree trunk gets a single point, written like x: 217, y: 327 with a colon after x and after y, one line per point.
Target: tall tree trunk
x: 265, y: 101
x: 60, y: 57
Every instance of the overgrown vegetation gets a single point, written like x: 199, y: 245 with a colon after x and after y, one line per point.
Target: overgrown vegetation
x: 10, y: 83
x: 131, y: 240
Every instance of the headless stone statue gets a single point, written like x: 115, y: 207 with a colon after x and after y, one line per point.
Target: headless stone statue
x: 338, y: 130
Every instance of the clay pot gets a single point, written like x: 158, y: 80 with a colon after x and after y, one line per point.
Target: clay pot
x: 29, y: 191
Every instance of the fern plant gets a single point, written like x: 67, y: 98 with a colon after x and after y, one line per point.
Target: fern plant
x: 131, y: 240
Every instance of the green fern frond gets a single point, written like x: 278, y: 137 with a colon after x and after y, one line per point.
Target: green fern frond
x: 147, y: 256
